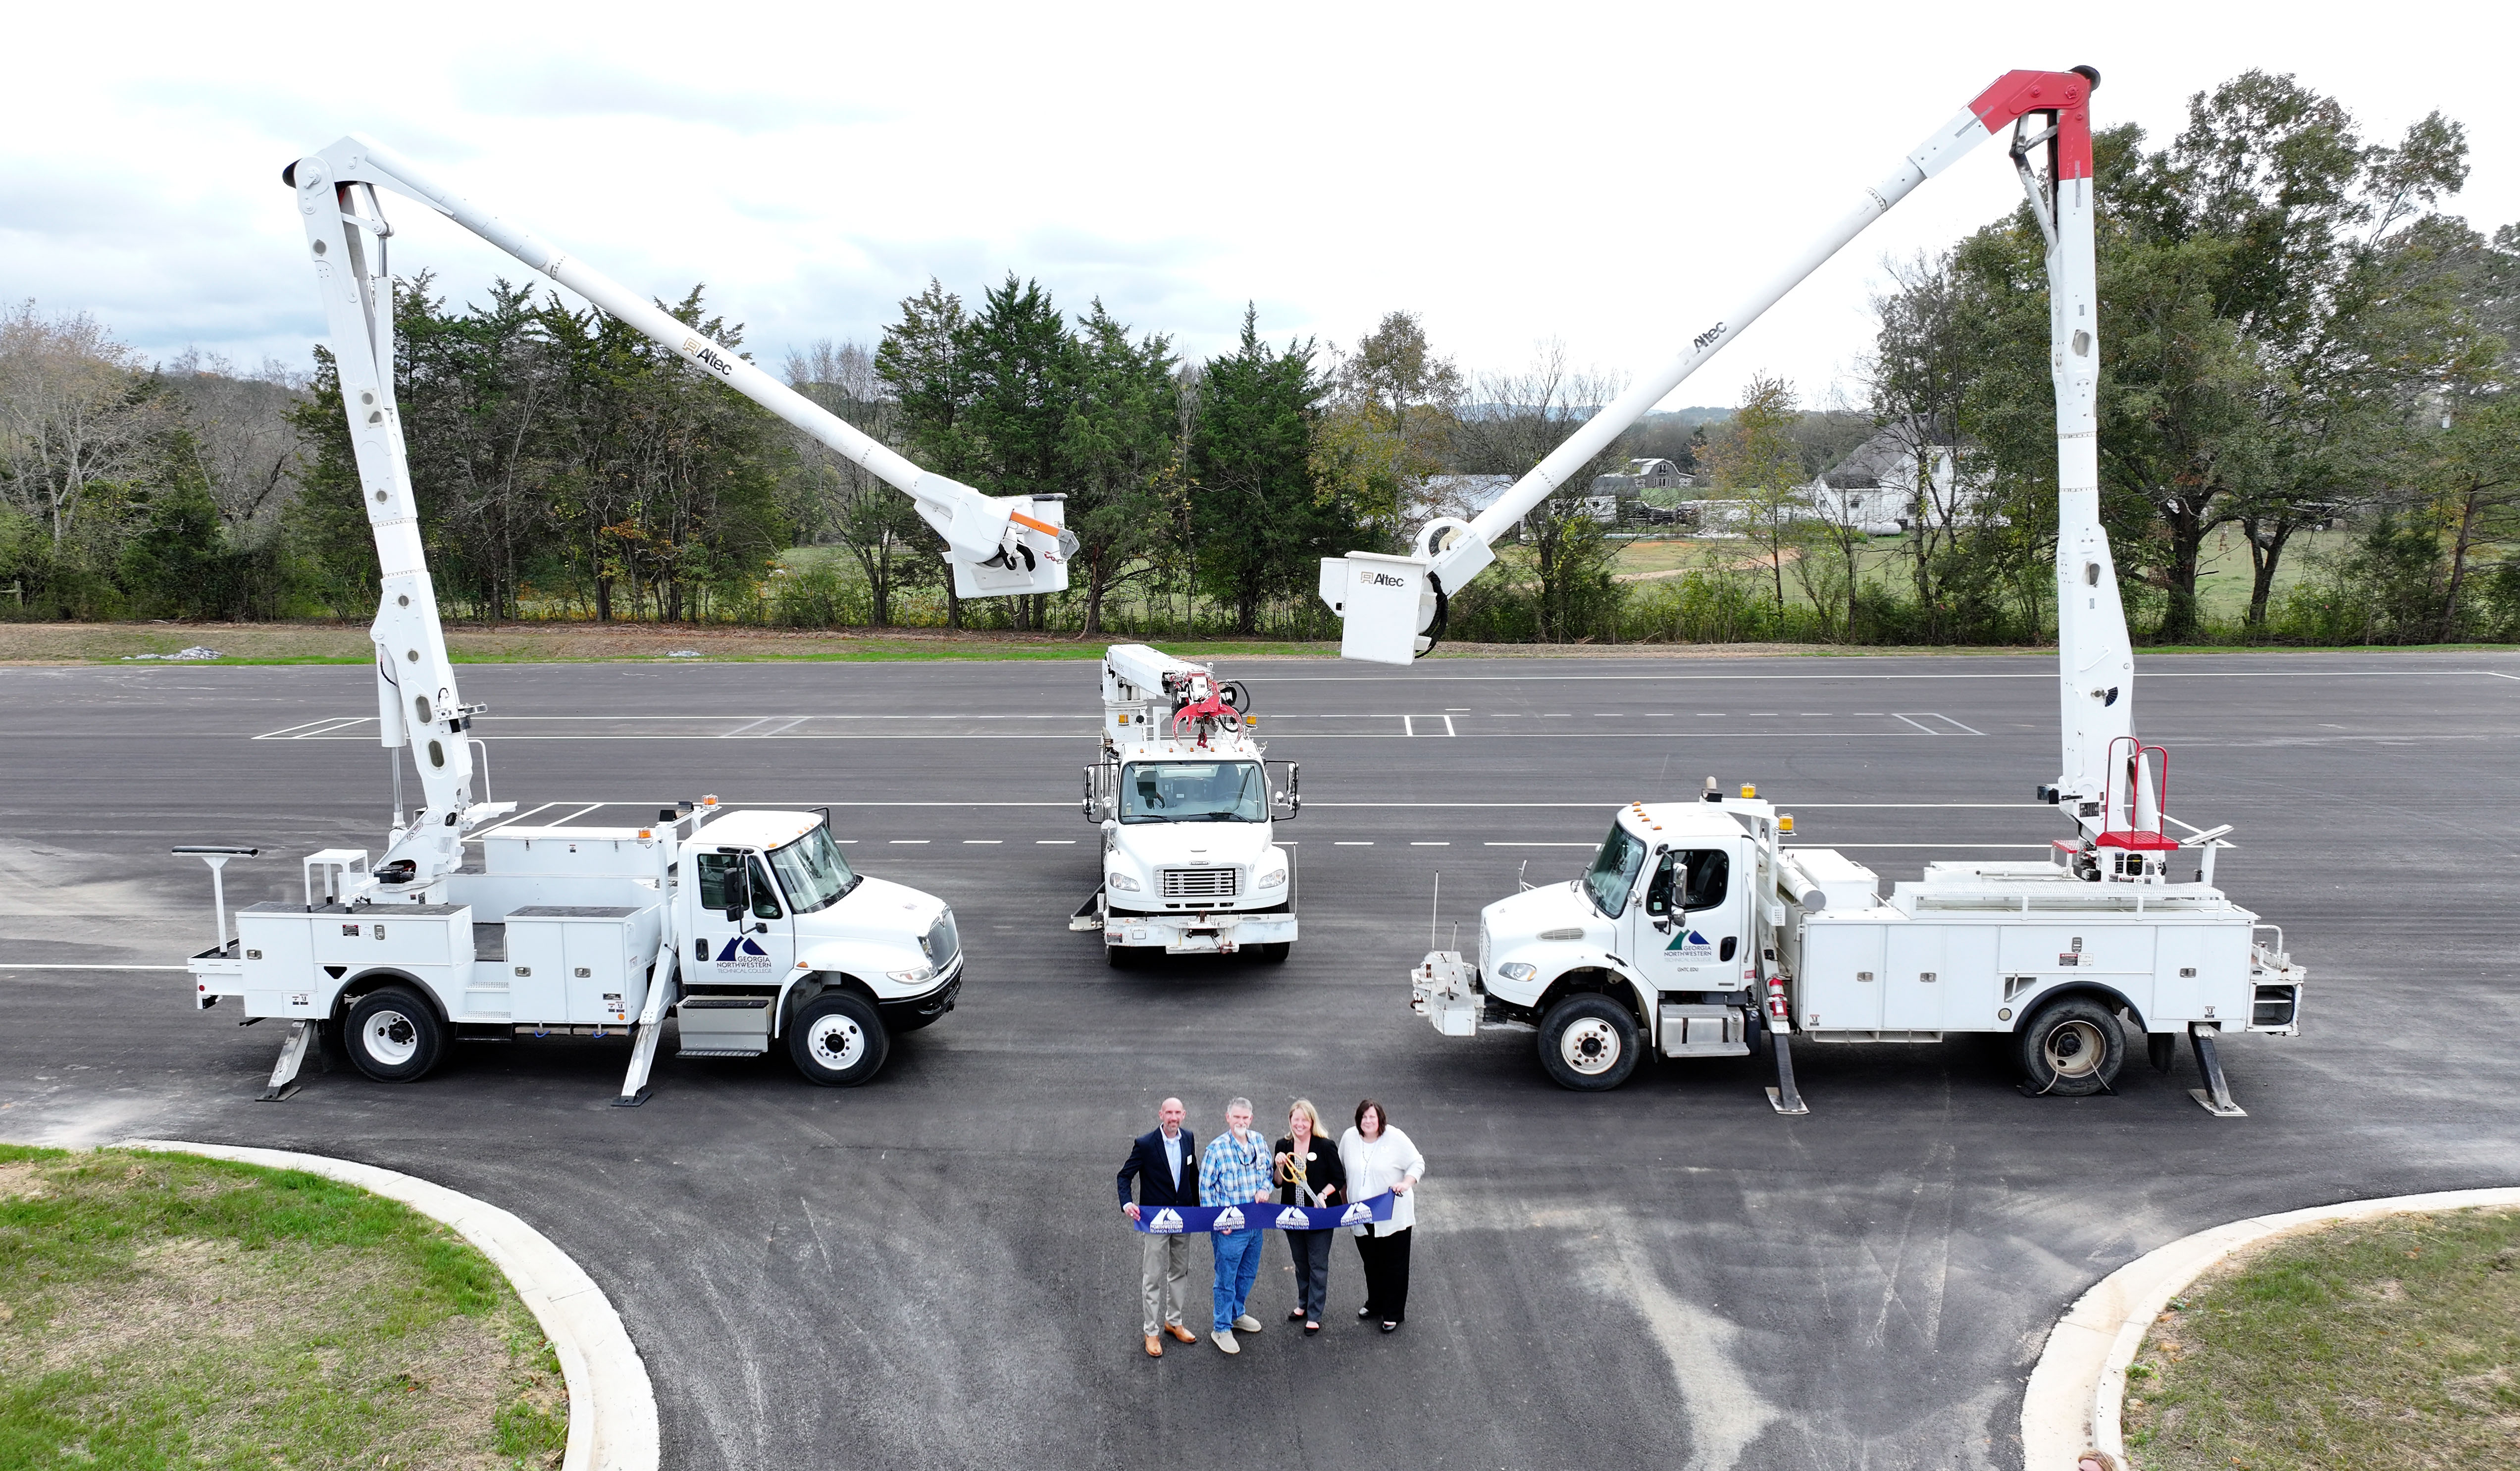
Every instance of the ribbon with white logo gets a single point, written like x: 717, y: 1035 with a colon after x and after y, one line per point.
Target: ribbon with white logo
x: 1186, y: 1220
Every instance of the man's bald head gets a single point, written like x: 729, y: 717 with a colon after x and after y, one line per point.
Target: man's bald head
x: 1170, y: 1114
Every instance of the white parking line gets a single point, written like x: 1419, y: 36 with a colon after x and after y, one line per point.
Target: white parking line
x: 1542, y: 845
x: 1430, y: 845
x: 1054, y: 842
x: 1366, y: 843
x: 982, y: 842
x: 913, y: 842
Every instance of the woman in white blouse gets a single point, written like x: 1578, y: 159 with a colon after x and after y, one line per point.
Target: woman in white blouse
x: 1377, y: 1158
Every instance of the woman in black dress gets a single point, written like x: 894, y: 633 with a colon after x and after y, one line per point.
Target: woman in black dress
x: 1309, y: 1173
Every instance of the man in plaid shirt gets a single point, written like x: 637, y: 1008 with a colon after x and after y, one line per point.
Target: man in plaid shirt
x: 1233, y: 1171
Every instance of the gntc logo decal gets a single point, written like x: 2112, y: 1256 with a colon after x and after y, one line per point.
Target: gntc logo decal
x: 1356, y: 1212
x: 1292, y: 1220
x: 1165, y: 1221
x: 1690, y: 944
x: 742, y: 954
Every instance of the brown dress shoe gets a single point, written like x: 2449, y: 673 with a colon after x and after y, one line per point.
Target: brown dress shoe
x: 1154, y: 1347
x: 1182, y: 1333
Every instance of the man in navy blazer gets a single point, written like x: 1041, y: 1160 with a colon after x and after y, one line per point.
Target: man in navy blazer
x: 1164, y: 1161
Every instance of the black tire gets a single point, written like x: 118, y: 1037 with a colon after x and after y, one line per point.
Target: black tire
x: 837, y: 1039
x: 392, y: 1035
x: 1589, y: 1043
x: 2073, y: 1047
x: 1274, y: 953
x: 2161, y: 1049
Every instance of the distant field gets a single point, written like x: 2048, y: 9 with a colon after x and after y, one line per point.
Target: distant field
x: 2222, y: 586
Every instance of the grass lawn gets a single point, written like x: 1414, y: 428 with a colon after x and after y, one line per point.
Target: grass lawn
x: 571, y: 642
x: 2387, y: 1343
x: 160, y: 1310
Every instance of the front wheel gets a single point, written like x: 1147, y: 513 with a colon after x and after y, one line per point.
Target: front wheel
x: 838, y: 1040
x: 2073, y: 1049
x: 1588, y: 1042
x: 393, y: 1037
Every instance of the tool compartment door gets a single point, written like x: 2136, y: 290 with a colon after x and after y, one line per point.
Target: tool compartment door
x: 1840, y: 986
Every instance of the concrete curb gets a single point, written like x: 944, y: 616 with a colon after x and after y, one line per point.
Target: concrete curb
x: 612, y: 1408
x: 2078, y: 1390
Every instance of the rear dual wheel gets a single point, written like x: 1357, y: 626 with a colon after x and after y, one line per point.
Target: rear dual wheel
x: 2073, y: 1049
x: 392, y: 1035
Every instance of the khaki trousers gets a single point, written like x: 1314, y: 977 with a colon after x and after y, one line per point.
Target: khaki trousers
x: 1164, y: 1280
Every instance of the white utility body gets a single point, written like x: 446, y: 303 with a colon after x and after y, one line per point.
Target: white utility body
x: 1697, y: 932
x: 1187, y: 801
x: 748, y: 927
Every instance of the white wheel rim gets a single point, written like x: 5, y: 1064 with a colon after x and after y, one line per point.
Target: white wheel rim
x: 1590, y: 1047
x: 2073, y: 1049
x: 391, y: 1038
x: 836, y: 1041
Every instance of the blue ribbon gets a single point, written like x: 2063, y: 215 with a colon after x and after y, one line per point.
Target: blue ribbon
x: 1261, y: 1216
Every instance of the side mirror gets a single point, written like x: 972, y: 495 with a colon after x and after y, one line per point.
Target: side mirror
x: 738, y: 891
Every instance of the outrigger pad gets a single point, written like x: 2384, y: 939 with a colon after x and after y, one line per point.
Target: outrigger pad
x: 1784, y: 1097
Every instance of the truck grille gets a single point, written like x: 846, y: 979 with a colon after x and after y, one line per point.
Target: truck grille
x: 942, y: 941
x: 1199, y: 883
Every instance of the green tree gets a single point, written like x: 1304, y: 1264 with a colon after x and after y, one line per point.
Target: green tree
x: 1757, y: 466
x: 1121, y: 455
x: 1257, y: 524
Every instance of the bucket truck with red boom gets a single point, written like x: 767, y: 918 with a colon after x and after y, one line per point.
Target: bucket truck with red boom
x: 1697, y: 931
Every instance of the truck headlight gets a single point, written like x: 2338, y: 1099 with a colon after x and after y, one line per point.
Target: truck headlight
x: 1516, y: 970
x: 1273, y: 878
x: 909, y: 977
x: 1121, y: 881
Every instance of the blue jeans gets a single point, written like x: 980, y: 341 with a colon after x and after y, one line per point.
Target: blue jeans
x: 1237, y: 1264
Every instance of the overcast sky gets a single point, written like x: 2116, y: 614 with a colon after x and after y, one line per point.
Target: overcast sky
x: 1610, y: 175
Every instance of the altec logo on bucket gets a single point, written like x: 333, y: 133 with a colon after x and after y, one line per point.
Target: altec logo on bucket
x: 1369, y: 578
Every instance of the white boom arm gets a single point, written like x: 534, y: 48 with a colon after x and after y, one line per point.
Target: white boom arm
x: 1390, y: 602
x: 998, y: 545
x: 1387, y: 601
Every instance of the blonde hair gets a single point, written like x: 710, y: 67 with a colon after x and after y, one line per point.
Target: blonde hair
x: 1304, y: 1106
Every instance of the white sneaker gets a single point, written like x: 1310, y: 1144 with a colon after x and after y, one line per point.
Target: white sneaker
x: 1224, y: 1340
x: 1248, y: 1323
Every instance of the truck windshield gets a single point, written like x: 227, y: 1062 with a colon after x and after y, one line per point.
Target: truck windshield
x: 1614, y: 870
x: 812, y: 871
x: 1194, y: 792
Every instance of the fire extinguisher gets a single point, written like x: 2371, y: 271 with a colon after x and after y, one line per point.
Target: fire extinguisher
x: 1777, y: 1011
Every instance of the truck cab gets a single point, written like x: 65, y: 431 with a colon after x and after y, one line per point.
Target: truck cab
x: 782, y: 938
x: 1187, y: 802
x: 1649, y: 948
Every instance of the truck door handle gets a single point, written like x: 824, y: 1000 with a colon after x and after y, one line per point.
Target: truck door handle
x: 760, y: 929
x: 1662, y: 927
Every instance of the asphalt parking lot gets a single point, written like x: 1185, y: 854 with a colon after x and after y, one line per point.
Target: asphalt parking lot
x: 930, y: 1272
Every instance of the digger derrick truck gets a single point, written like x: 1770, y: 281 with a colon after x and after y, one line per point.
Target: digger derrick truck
x: 1697, y: 932
x: 748, y: 927
x: 1186, y: 802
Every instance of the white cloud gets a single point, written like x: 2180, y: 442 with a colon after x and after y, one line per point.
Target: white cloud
x: 1608, y: 174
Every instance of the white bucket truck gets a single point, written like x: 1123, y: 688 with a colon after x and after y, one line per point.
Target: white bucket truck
x: 1696, y: 932
x: 1186, y: 802
x: 749, y: 925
